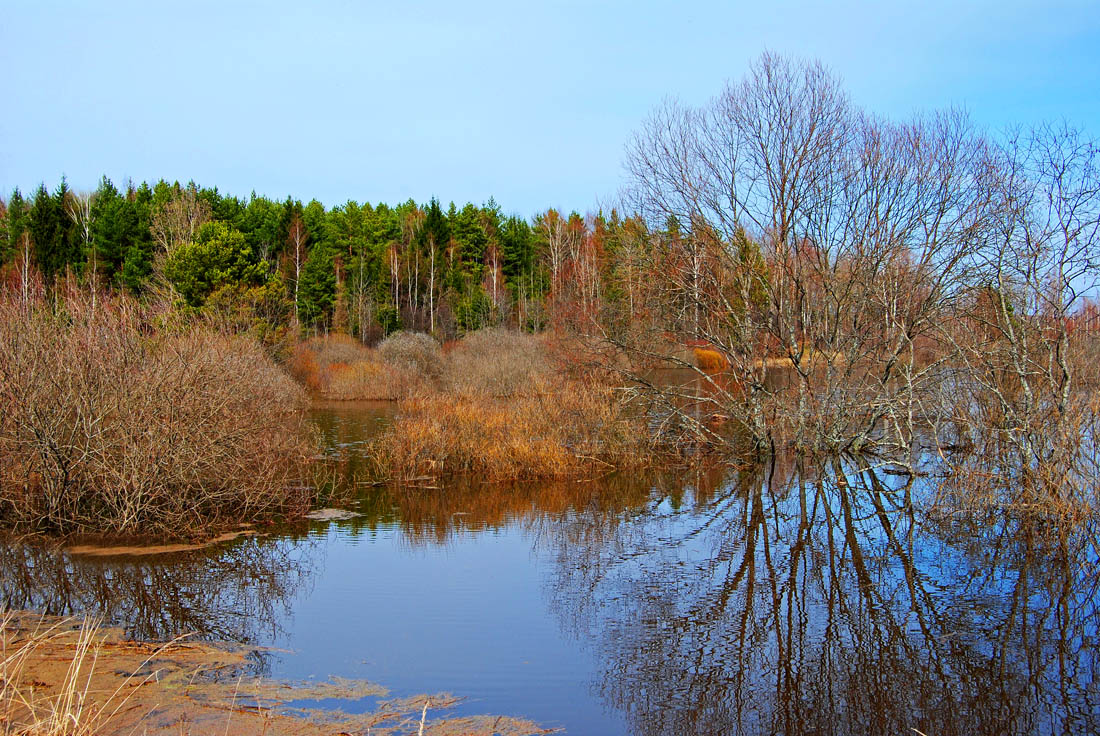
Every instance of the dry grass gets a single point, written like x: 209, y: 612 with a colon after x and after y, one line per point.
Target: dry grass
x: 494, y: 362
x: 340, y: 367
x: 559, y: 429
x: 31, y: 707
x: 497, y: 362
x: 66, y: 677
x: 710, y: 360
x: 498, y: 403
x: 412, y: 352
x: 112, y: 424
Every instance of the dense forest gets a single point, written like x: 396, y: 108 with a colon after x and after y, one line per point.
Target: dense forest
x: 362, y: 269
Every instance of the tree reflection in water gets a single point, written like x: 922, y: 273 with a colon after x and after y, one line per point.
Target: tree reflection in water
x: 791, y: 599
x: 824, y: 602
x: 232, y: 592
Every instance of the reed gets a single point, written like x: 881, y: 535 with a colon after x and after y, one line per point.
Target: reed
x: 561, y: 428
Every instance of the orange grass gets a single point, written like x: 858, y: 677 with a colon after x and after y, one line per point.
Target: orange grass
x: 561, y: 429
x: 342, y: 368
x: 710, y: 360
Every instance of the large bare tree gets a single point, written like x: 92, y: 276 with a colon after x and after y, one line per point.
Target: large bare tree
x: 819, y: 246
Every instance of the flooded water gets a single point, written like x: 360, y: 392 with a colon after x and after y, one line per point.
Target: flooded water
x: 771, y: 600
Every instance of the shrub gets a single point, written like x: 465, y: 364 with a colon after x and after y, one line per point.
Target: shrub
x: 111, y: 426
x: 412, y: 351
x: 496, y: 362
x: 340, y: 367
x: 367, y: 380
x: 710, y: 360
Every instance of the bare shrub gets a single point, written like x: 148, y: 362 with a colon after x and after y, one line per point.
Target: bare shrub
x: 496, y: 362
x: 368, y: 380
x: 315, y: 361
x: 412, y: 352
x: 342, y: 368
x: 110, y: 426
x: 339, y: 348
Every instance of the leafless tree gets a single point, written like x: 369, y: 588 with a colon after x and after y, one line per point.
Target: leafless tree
x: 1021, y: 365
x: 815, y: 247
x: 177, y: 220
x: 78, y: 206
x: 297, y: 240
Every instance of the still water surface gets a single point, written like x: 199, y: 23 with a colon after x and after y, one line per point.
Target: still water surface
x: 784, y: 600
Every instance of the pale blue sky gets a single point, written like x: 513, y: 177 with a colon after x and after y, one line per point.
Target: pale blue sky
x: 529, y: 102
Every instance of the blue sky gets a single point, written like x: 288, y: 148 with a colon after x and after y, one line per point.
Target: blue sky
x: 531, y: 103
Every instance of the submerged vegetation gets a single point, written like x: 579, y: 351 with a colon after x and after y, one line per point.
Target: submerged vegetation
x: 76, y: 677
x: 500, y: 404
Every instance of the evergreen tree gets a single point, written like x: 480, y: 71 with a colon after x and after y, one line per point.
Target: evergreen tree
x: 137, y: 265
x: 15, y: 224
x: 55, y: 244
x: 317, y: 289
x: 517, y: 245
x: 219, y: 257
x: 471, y: 239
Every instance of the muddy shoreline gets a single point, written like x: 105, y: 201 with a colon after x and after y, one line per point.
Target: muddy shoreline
x: 71, y: 670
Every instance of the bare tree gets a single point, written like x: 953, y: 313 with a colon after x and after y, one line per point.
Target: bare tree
x: 815, y: 248
x: 78, y: 206
x: 176, y: 221
x: 298, y: 241
x: 1020, y: 364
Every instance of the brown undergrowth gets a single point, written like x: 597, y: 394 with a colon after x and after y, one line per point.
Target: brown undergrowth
x: 342, y: 368
x: 510, y: 406
x: 115, y: 422
x: 500, y: 404
x: 558, y: 429
x: 73, y: 677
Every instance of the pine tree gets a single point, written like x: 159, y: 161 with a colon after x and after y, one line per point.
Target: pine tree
x: 317, y: 289
x: 55, y: 246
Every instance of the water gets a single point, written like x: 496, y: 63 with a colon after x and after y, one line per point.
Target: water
x: 773, y: 600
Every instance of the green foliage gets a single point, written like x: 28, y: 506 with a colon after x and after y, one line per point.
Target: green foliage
x: 388, y: 319
x: 517, y: 247
x: 55, y: 244
x: 472, y: 239
x: 137, y: 265
x: 16, y: 219
x: 219, y: 257
x: 474, y: 310
x: 261, y: 222
x: 436, y: 231
x: 317, y: 289
x: 367, y: 268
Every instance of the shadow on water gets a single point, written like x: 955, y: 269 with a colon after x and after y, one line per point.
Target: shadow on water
x: 788, y: 599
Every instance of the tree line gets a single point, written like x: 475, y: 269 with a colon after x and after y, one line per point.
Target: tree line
x: 363, y: 269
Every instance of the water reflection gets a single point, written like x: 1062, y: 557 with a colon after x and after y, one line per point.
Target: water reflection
x: 825, y: 604
x: 794, y: 598
x: 239, y: 592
